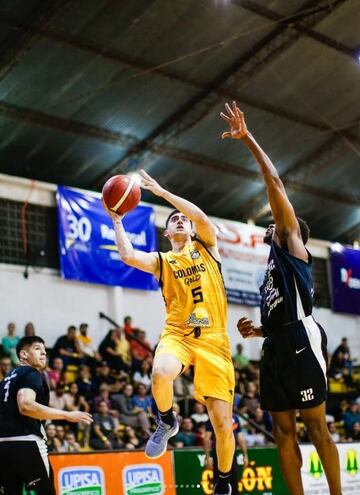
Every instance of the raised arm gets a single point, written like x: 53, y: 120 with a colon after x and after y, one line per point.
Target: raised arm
x: 287, y: 225
x: 147, y: 262
x: 204, y: 228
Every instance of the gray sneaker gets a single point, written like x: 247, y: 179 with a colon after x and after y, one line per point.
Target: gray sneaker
x: 228, y: 493
x: 157, y: 444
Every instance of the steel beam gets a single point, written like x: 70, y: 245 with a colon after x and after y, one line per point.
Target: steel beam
x: 31, y: 117
x: 298, y: 25
x: 15, y: 46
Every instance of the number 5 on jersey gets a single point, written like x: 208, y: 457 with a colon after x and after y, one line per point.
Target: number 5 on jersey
x: 197, y: 295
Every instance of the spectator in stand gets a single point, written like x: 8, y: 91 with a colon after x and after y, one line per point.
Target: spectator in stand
x: 140, y: 349
x: 57, y: 399
x: 123, y: 348
x: 104, y: 429
x: 56, y: 373
x: 104, y: 396
x: 74, y: 401
x: 144, y: 374
x: 130, y: 415
x: 87, y: 346
x: 5, y: 366
x: 199, y: 415
x: 335, y: 435
x: 184, y: 391
x: 142, y: 400
x: 29, y: 330
x: 109, y: 353
x: 262, y: 419
x: 350, y: 417
x: 60, y: 435
x: 73, y: 445
x: 186, y: 436
x: 240, y: 361
x: 128, y: 328
x: 52, y: 442
x: 200, y: 434
x: 130, y: 439
x: 103, y: 376
x: 85, y: 383
x: 9, y: 344
x: 67, y: 347
x: 251, y: 397
x: 355, y: 433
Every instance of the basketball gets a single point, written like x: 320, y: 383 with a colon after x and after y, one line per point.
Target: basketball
x: 121, y: 193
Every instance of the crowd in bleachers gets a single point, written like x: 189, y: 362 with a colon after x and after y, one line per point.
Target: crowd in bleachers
x: 113, y: 382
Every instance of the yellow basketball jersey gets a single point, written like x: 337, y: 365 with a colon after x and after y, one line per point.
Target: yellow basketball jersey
x: 193, y: 288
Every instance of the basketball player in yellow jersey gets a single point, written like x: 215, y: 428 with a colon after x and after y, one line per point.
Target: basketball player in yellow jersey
x: 195, y: 331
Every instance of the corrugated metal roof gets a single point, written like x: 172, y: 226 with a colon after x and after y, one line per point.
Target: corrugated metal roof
x: 96, y: 87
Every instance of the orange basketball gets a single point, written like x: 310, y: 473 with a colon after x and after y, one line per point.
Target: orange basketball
x: 121, y: 193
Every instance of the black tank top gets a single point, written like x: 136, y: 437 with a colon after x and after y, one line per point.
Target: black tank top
x: 287, y: 289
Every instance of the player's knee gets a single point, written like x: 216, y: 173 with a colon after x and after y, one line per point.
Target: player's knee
x: 160, y: 374
x: 222, y: 428
x: 318, y: 432
x: 283, y: 433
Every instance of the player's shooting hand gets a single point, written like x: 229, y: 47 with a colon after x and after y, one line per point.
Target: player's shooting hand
x: 150, y: 184
x: 111, y: 213
x: 235, y: 118
x: 247, y: 328
x: 79, y: 417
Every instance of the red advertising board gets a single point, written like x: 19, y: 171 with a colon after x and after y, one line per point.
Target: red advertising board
x: 113, y: 473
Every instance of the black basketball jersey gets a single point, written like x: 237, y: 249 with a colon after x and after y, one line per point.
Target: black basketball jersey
x: 12, y: 422
x: 287, y: 290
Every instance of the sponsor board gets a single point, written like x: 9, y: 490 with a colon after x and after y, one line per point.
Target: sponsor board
x: 81, y: 480
x: 313, y: 475
x: 143, y: 479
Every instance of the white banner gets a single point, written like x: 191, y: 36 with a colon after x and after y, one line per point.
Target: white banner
x: 313, y: 475
x: 244, y: 258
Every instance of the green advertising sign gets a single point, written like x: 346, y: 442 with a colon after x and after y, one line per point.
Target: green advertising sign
x: 261, y: 477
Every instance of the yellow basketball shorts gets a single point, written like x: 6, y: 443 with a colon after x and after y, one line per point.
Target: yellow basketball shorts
x: 210, y: 354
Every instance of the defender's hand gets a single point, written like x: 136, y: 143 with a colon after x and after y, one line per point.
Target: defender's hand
x: 79, y: 417
x: 247, y: 328
x: 235, y: 118
x: 150, y: 184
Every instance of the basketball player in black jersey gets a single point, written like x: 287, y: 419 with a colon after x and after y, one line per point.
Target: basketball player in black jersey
x: 24, y: 398
x: 293, y: 363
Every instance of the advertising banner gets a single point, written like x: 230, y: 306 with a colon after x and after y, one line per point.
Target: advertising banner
x: 313, y: 475
x: 261, y: 477
x: 87, y: 241
x: 345, y: 278
x: 243, y: 260
x: 113, y: 473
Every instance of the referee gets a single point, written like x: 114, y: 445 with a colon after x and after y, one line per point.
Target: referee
x: 24, y: 398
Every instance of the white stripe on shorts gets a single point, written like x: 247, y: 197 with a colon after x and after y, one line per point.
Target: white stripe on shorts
x: 314, y: 335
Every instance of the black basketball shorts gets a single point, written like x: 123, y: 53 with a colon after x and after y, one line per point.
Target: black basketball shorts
x: 293, y: 367
x: 25, y: 464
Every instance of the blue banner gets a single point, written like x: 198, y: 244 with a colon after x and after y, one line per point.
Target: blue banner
x: 345, y: 277
x: 87, y: 241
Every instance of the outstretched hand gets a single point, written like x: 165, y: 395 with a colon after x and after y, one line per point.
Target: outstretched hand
x: 235, y: 118
x: 247, y: 328
x: 150, y: 184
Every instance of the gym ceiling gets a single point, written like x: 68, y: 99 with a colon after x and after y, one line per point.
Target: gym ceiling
x: 93, y: 88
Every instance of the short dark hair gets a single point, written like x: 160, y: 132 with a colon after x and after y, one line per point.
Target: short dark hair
x: 26, y: 342
x: 71, y: 327
x: 170, y: 215
x: 304, y: 230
